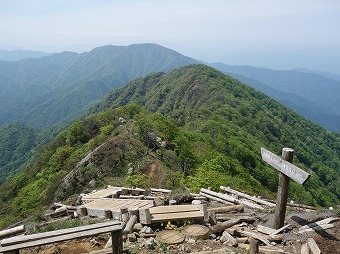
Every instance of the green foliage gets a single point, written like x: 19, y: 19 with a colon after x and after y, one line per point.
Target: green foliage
x: 140, y: 180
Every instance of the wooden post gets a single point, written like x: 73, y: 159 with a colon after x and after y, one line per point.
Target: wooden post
x: 282, y: 192
x: 254, y: 246
x: 117, y: 242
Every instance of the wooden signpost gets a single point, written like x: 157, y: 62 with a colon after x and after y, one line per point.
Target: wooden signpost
x: 287, y: 171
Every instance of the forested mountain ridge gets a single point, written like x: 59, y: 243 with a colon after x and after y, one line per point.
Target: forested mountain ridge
x: 54, y: 89
x: 17, y: 55
x: 312, y: 95
x: 206, y: 130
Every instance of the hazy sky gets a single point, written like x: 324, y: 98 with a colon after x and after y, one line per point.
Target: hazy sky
x: 270, y: 33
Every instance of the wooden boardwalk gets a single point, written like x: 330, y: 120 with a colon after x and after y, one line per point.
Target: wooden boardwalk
x: 97, y: 208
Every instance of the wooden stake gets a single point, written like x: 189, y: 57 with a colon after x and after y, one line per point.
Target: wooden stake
x: 254, y: 246
x: 282, y: 192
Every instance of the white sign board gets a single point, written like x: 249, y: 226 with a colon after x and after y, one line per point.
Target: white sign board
x: 285, y: 167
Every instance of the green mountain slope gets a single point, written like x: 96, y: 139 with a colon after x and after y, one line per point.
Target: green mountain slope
x: 202, y: 128
x: 54, y: 89
x: 312, y: 95
x: 17, y: 144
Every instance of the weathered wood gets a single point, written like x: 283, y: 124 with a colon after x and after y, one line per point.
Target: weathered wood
x: 54, y: 239
x: 56, y: 233
x: 215, y: 198
x: 170, y: 237
x: 304, y: 249
x: 282, y: 192
x: 241, y: 194
x: 227, y: 224
x: 160, y: 190
x: 82, y: 210
x: 145, y: 216
x: 250, y: 204
x: 221, y: 209
x: 254, y: 246
x: 317, y: 228
x: 212, y: 218
x: 284, y: 164
x: 318, y: 223
x: 108, y: 214
x: 225, y: 217
x: 220, y: 195
x: 238, y: 232
x: 172, y: 202
x: 12, y: 231
x: 230, y: 240
x: 117, y: 243
x: 129, y: 225
x: 196, y: 231
x: 265, y: 230
x: 280, y: 230
x: 314, y: 248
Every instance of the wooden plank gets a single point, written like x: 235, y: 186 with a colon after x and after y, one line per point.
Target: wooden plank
x: 241, y: 194
x: 317, y: 228
x: 280, y: 230
x: 60, y: 238
x: 304, y: 249
x: 318, y: 223
x: 173, y: 209
x: 19, y: 239
x: 314, y: 248
x: 194, y: 215
x: 284, y: 166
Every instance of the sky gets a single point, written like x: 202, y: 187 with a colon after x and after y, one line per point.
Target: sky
x: 277, y: 34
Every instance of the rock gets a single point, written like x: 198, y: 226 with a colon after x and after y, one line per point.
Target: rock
x: 146, y: 230
x: 191, y: 240
x: 137, y: 227
x: 132, y: 237
x: 213, y: 236
x: 150, y: 243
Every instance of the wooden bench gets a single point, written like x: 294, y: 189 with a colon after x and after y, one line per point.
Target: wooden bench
x: 14, y: 244
x: 173, y: 213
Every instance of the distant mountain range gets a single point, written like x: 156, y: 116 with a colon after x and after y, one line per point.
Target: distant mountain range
x: 53, y: 89
x: 312, y: 95
x: 17, y: 55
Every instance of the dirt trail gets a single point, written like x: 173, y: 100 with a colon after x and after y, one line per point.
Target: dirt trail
x: 156, y: 170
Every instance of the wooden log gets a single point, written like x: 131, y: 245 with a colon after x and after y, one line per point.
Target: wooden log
x: 314, y: 248
x: 225, y: 217
x: 160, y: 190
x: 129, y: 225
x: 172, y: 202
x: 231, y: 241
x: 241, y: 194
x: 59, y: 212
x: 215, y: 198
x: 12, y: 231
x: 227, y: 224
x: 280, y: 230
x: 124, y: 214
x: 132, y: 197
x: 318, y: 223
x: 221, y: 209
x: 238, y: 232
x: 212, y: 218
x: 219, y: 195
x: 304, y: 249
x: 250, y: 204
x: 265, y: 230
x: 254, y: 246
